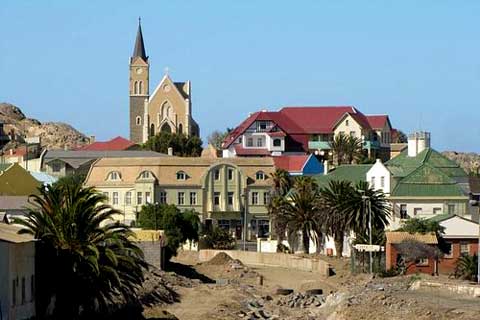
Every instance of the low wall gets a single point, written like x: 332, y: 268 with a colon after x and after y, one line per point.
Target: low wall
x: 458, y: 288
x: 272, y: 259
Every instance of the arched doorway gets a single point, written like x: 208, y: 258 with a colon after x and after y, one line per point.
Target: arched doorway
x: 152, y: 130
x: 166, y: 128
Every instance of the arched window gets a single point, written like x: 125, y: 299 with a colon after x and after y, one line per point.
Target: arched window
x: 140, y: 87
x: 277, y: 142
x: 135, y: 87
x: 152, y: 130
x: 138, y: 120
x: 181, y: 175
x: 260, y: 175
x: 114, y: 176
x: 165, y: 107
x: 146, y: 175
x: 180, y: 128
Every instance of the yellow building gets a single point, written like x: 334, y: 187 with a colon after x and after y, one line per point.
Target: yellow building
x: 214, y: 187
x: 168, y: 108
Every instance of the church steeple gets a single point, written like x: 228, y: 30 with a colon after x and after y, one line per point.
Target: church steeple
x: 139, y: 49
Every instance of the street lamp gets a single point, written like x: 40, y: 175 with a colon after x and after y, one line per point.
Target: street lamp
x: 368, y: 205
x: 245, y: 201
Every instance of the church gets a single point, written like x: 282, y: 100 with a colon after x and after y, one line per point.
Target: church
x: 168, y: 108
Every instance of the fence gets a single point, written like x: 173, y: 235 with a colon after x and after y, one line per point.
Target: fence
x: 360, y: 261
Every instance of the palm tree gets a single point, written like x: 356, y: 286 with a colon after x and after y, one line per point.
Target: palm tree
x: 353, y: 150
x: 280, y: 186
x: 338, y: 147
x: 467, y: 267
x: 346, y: 149
x: 86, y: 261
x: 281, y: 182
x: 303, y: 212
x: 337, y: 222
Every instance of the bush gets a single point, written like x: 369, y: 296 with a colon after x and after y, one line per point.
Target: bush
x: 393, y: 272
x: 467, y: 268
x: 218, y: 238
x: 283, y: 248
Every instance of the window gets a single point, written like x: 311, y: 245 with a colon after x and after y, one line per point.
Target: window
x: 181, y: 175
x: 139, y: 198
x: 448, y: 250
x: 346, y: 123
x: 451, y: 209
x: 128, y: 198
x: 372, y: 182
x: 138, y: 121
x: 146, y: 175
x: 266, y: 198
x: 422, y: 262
x: 262, y: 126
x: 140, y: 87
x: 106, y: 196
x: 417, y: 211
x: 181, y: 198
x: 216, y: 198
x: 230, y: 174
x: 115, y: 198
x: 216, y: 174
x: 193, y: 198
x: 259, y: 142
x: 180, y: 128
x: 32, y: 287
x: 224, y: 224
x: 403, y: 211
x: 254, y: 198
x: 277, y: 142
x: 382, y: 182
x: 23, y: 291
x: 437, y: 210
x: 56, y: 166
x: 163, y: 197
x: 230, y: 198
x: 250, y: 142
x: 148, y: 197
x: 263, y: 228
x: 240, y: 140
x: 260, y: 175
x: 135, y: 87
x: 353, y: 134
x: 464, y: 248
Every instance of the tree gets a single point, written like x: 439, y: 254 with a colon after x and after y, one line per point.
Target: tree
x: 302, y: 212
x: 281, y: 185
x: 423, y: 226
x: 412, y: 251
x: 219, y: 238
x: 178, y: 226
x: 399, y: 137
x: 85, y: 260
x: 182, y: 145
x: 346, y: 149
x: 216, y: 138
x: 467, y: 267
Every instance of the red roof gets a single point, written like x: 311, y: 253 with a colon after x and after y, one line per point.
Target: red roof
x: 378, y: 121
x: 241, y: 151
x: 18, y: 152
x: 116, y: 144
x: 294, y: 163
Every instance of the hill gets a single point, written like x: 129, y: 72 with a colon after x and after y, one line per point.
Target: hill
x: 53, y: 135
x: 470, y: 161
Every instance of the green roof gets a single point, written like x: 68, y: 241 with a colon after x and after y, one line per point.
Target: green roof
x: 442, y: 217
x: 353, y: 173
x: 403, y: 165
x: 427, y: 181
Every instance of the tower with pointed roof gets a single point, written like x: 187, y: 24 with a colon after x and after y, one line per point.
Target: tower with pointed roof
x: 169, y: 107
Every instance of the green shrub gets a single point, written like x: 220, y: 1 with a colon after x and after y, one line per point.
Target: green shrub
x: 218, y: 238
x: 467, y: 267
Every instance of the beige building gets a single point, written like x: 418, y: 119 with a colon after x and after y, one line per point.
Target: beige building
x: 168, y: 109
x: 214, y: 187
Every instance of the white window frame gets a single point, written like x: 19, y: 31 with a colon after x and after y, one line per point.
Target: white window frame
x: 254, y: 198
x: 115, y: 198
x: 181, y: 198
x: 193, y: 198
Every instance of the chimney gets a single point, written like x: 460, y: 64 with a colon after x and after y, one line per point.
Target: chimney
x: 11, y: 152
x: 170, y: 151
x: 92, y: 139
x: 325, y: 167
x: 417, y: 142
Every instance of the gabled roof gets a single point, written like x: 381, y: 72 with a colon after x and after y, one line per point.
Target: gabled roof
x: 378, y: 121
x: 293, y: 163
x: 117, y: 143
x: 241, y: 151
x: 351, y: 172
x: 397, y: 237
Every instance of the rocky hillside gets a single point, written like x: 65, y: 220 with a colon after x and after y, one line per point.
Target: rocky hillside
x: 53, y: 135
x: 470, y: 162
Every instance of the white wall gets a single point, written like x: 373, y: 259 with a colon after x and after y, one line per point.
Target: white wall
x: 378, y: 171
x: 457, y: 227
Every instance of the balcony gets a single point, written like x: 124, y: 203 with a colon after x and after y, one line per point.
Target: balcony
x: 371, y: 144
x: 318, y: 145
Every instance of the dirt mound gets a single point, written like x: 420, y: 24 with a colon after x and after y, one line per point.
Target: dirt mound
x: 220, y: 259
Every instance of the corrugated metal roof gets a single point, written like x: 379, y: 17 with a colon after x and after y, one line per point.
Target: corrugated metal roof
x: 9, y: 233
x: 353, y: 173
x: 400, y: 236
x: 13, y: 202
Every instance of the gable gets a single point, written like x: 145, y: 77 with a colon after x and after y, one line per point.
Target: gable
x: 138, y: 62
x: 457, y: 227
x: 16, y: 181
x: 166, y: 89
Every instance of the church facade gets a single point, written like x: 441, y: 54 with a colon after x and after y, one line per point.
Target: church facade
x: 168, y: 108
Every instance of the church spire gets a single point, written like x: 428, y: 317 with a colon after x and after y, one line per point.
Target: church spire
x: 139, y: 49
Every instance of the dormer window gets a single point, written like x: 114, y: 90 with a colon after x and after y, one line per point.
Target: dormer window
x: 181, y: 175
x: 114, y: 176
x: 146, y: 175
x: 260, y: 175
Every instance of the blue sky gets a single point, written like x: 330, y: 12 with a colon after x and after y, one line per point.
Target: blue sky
x: 418, y: 61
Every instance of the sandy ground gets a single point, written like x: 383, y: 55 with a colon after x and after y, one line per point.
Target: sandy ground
x: 224, y: 292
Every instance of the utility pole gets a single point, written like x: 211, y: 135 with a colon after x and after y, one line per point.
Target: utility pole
x: 245, y: 196
x: 368, y: 205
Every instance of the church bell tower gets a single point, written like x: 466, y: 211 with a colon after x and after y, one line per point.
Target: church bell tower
x: 139, y: 89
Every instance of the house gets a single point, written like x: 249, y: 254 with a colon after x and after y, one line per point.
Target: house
x: 115, y: 144
x: 461, y: 237
x: 299, y: 165
x: 393, y: 257
x: 12, y: 207
x: 60, y: 163
x: 220, y: 190
x: 26, y: 155
x: 353, y: 173
x: 16, y: 181
x: 17, y: 274
x: 302, y: 130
